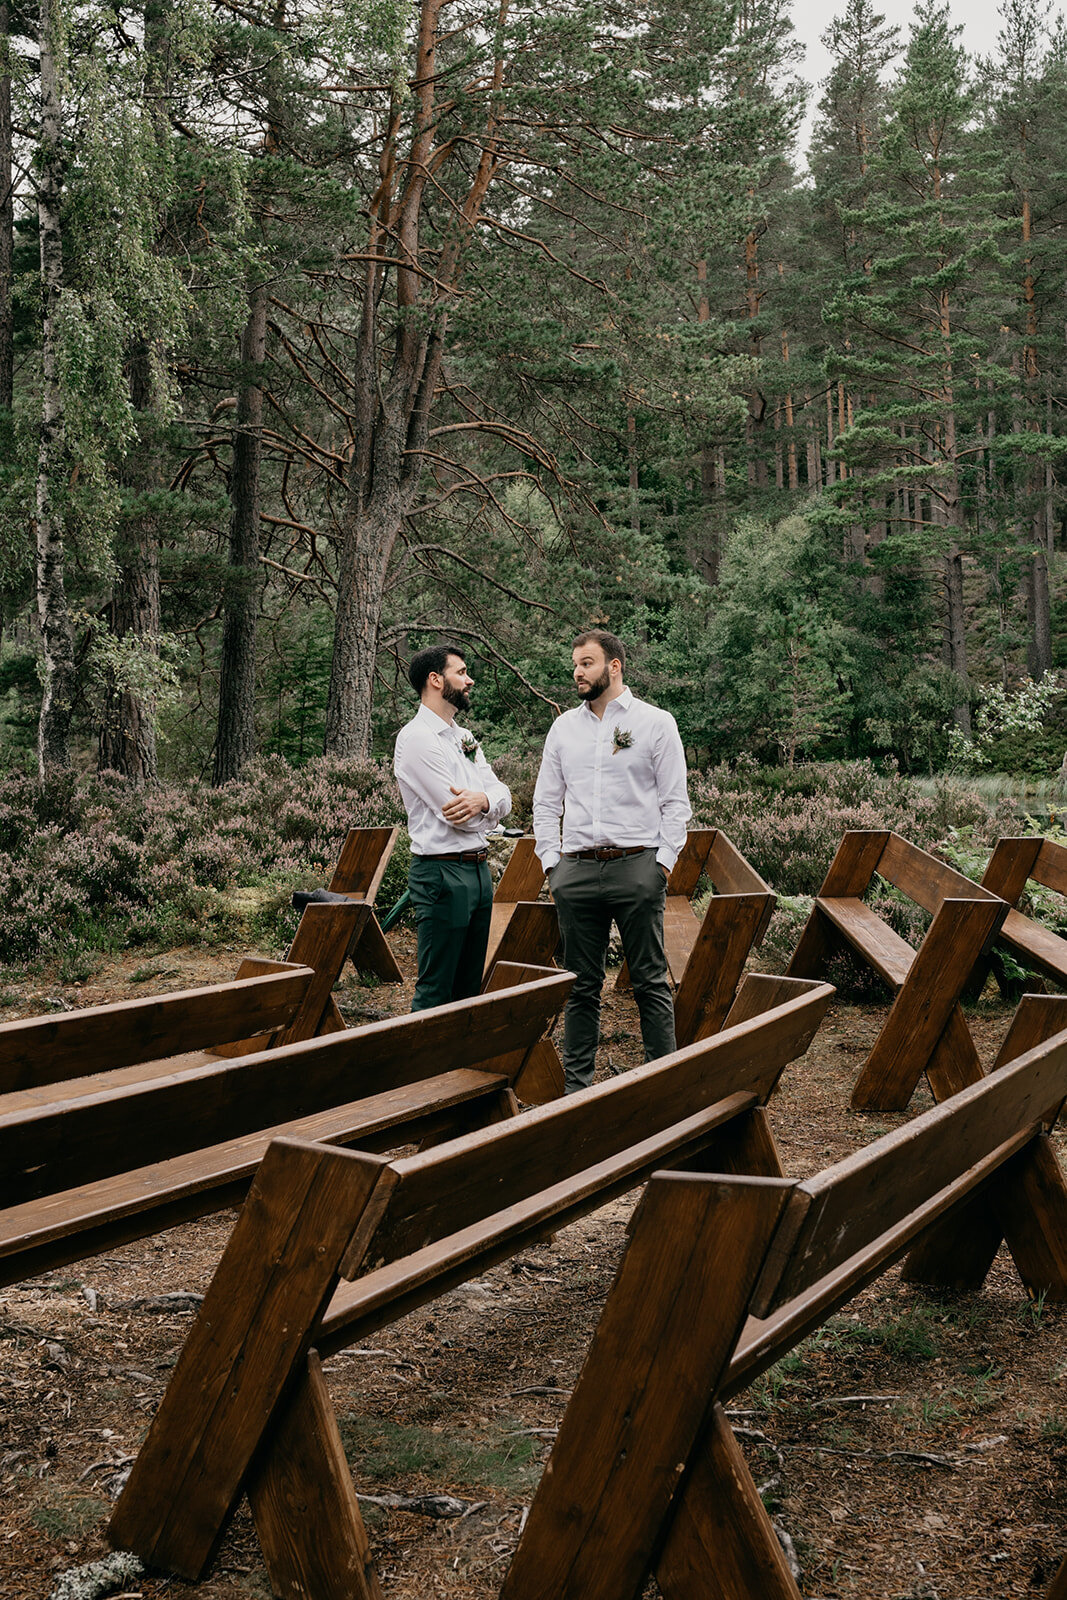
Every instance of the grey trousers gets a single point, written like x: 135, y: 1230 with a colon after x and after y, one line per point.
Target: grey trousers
x: 589, y: 895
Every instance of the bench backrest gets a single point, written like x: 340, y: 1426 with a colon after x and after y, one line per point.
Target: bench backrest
x: 916, y: 873
x: 35, y: 1051
x: 911, y: 1174
x: 361, y: 865
x: 645, y: 1461
x: 442, y: 1191
x: 47, y: 1148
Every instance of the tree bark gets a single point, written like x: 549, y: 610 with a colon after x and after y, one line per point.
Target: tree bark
x: 53, y: 613
x: 235, y: 741
x: 7, y: 219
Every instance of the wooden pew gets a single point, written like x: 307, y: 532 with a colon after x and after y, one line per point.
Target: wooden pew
x: 332, y: 1245
x: 706, y: 956
x: 127, y: 1156
x: 46, y: 1058
x: 357, y: 876
x: 722, y: 1276
x: 925, y: 1029
x: 536, y: 933
x: 1014, y: 863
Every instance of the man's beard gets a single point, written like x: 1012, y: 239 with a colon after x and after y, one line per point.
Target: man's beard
x: 456, y: 697
x: 591, y: 690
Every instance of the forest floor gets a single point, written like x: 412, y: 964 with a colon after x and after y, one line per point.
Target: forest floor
x: 915, y: 1449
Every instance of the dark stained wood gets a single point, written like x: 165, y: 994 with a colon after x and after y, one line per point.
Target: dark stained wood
x: 685, y: 874
x: 819, y: 942
x: 662, y: 1343
x: 362, y: 863
x: 325, y: 935
x: 79, y: 1222
x: 307, y: 1516
x: 1059, y: 1583
x: 838, y: 1213
x: 716, y: 961
x: 881, y: 947
x: 730, y: 872
x: 523, y: 876
x: 36, y: 1051
x: 1011, y: 863
x: 954, y: 1061
x: 530, y: 934
x: 921, y: 1011
x: 702, y: 996
x: 721, y: 1545
x: 442, y: 1193
x: 1051, y: 866
x: 249, y: 1341
x: 763, y: 991
x: 48, y: 1148
x: 923, y: 878
x: 1031, y: 1203
x: 855, y: 862
x: 372, y: 952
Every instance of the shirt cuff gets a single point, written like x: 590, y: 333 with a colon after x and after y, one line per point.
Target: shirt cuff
x: 550, y: 859
x: 666, y: 857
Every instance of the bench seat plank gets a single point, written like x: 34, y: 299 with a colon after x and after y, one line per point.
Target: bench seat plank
x: 80, y: 1222
x: 388, y: 1292
x: 48, y: 1148
x: 42, y: 1051
x: 885, y: 950
x: 1036, y: 944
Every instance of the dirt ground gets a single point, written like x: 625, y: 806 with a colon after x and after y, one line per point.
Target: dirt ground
x: 916, y: 1447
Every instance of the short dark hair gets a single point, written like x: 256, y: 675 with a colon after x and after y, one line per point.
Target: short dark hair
x: 434, y: 659
x: 613, y: 648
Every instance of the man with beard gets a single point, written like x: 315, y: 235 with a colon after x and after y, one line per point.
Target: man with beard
x: 452, y: 799
x: 614, y: 769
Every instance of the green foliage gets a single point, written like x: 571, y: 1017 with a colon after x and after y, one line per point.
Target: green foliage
x: 395, y: 1452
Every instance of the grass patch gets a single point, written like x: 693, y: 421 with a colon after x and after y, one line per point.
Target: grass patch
x: 382, y: 1451
x: 69, y: 1516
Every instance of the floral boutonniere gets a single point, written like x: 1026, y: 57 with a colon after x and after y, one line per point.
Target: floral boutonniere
x: 470, y: 746
x: 621, y: 739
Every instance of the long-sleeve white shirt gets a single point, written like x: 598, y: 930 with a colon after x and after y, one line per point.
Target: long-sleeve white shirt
x: 428, y: 760
x: 615, y: 780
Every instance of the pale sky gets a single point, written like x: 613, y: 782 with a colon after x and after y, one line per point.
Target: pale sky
x: 980, y: 19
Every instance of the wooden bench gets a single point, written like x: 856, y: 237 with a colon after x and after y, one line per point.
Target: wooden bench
x: 722, y: 1276
x: 1014, y: 863
x: 121, y: 1156
x: 925, y: 1030
x: 246, y: 1408
x: 358, y: 875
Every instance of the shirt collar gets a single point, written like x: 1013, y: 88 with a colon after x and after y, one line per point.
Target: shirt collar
x: 435, y: 723
x: 622, y: 702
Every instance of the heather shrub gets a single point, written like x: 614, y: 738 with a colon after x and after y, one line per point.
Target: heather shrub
x: 94, y: 861
x: 788, y: 822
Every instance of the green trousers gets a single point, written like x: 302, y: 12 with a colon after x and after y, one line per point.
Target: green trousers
x: 453, y: 903
x: 589, y: 895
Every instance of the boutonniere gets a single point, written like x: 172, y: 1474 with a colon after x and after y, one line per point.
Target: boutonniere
x: 469, y: 746
x: 621, y: 739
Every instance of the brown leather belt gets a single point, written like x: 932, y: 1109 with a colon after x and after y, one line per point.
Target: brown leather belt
x: 606, y: 852
x: 461, y: 855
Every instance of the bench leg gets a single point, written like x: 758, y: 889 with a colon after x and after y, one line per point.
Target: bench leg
x: 255, y: 1326
x: 721, y: 1545
x: 1059, y: 1583
x: 307, y: 1516
x: 665, y: 1338
x: 818, y: 944
x: 715, y: 965
x: 922, y: 1011
x: 1027, y: 1206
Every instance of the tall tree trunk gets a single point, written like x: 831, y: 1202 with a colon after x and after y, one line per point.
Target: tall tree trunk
x: 7, y: 219
x: 53, y: 613
x: 235, y: 740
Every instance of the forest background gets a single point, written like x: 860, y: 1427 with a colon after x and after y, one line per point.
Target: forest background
x: 329, y: 331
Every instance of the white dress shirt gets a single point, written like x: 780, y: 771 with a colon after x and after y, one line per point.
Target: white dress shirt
x: 428, y: 760
x: 616, y: 780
